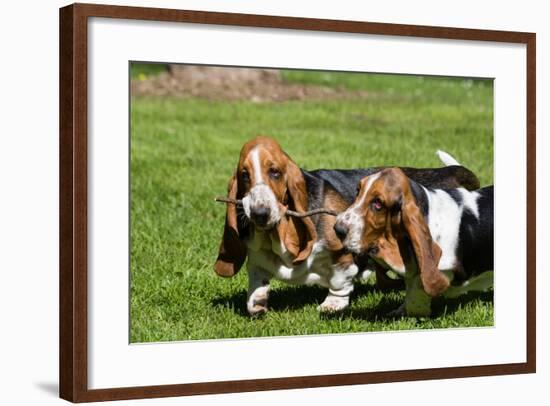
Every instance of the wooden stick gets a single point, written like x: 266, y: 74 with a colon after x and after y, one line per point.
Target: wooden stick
x: 291, y: 213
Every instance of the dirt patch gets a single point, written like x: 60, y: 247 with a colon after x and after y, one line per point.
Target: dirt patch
x: 212, y: 83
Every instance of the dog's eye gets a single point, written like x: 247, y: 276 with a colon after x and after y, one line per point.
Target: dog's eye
x: 274, y: 174
x: 376, y: 204
x: 245, y: 176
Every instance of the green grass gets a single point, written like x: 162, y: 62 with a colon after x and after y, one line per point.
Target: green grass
x: 183, y: 152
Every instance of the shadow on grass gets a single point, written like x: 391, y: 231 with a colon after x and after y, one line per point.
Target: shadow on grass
x: 284, y: 298
x: 379, y: 312
x: 296, y: 297
x: 440, y: 307
x: 235, y: 301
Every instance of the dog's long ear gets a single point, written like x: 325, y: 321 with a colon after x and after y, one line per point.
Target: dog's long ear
x: 300, y: 232
x: 426, y: 250
x: 232, y: 253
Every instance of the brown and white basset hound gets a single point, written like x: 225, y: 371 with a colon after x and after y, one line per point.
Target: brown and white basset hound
x: 298, y: 250
x: 439, y: 239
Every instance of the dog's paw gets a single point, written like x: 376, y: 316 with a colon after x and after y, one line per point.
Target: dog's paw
x: 256, y: 310
x: 257, y: 302
x: 333, y: 304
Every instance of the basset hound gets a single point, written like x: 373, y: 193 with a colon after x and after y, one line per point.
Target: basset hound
x: 439, y: 240
x: 298, y: 250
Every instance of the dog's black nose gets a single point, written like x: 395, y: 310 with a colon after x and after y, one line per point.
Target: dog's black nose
x: 260, y: 215
x: 341, y: 230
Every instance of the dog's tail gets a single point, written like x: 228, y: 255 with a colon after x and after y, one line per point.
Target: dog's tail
x: 447, y: 159
x: 463, y: 176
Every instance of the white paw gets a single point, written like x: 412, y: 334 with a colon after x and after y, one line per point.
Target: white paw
x: 257, y: 303
x: 256, y: 310
x: 333, y: 304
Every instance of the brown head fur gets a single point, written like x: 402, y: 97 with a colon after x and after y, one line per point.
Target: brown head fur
x: 393, y: 222
x: 287, y: 183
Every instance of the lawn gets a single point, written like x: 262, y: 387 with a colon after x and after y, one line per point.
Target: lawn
x: 183, y: 152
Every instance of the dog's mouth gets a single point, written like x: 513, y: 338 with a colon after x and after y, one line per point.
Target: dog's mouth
x: 264, y: 222
x: 263, y: 215
x: 366, y: 261
x: 381, y: 262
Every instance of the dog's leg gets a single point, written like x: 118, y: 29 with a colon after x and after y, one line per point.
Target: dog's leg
x: 340, y: 288
x: 258, y: 291
x: 417, y: 302
x: 399, y: 312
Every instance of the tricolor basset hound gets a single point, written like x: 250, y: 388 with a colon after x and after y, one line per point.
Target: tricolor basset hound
x: 440, y: 240
x: 298, y: 250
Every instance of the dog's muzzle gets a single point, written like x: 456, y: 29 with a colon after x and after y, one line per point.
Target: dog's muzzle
x: 260, y: 215
x: 261, y: 207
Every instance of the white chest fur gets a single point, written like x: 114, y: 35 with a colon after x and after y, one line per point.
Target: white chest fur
x: 268, y: 254
x: 444, y: 223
